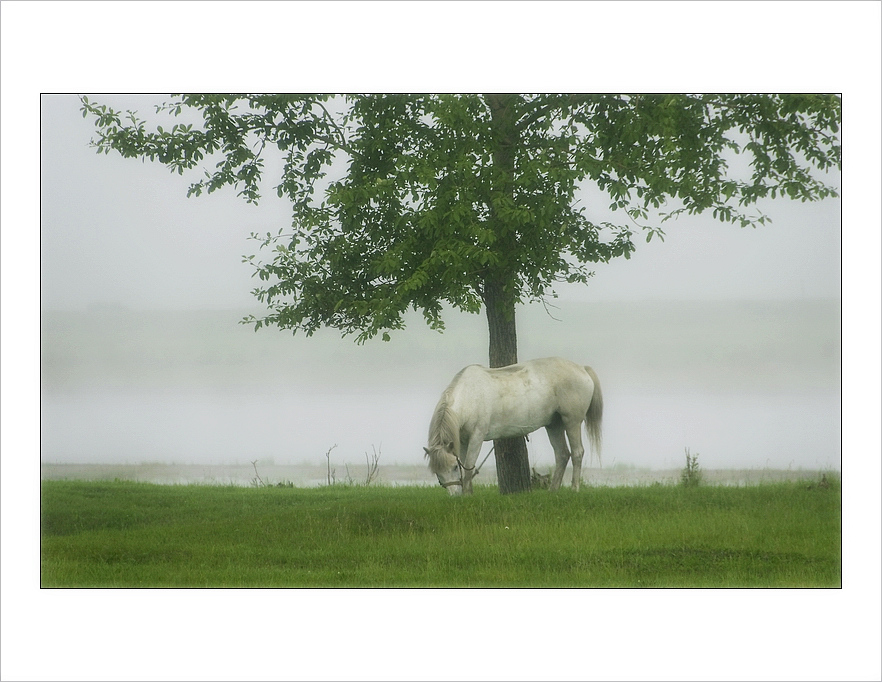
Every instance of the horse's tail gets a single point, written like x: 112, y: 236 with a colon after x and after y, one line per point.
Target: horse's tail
x: 594, y: 416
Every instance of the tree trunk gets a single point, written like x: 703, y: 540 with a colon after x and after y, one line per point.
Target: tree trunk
x: 512, y: 463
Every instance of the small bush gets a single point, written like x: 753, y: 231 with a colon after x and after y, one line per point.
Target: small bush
x: 691, y: 474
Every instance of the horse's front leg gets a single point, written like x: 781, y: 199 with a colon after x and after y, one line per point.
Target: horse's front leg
x: 557, y: 437
x: 471, y: 448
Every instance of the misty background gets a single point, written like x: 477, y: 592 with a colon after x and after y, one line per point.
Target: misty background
x: 722, y: 340
x: 604, y: 47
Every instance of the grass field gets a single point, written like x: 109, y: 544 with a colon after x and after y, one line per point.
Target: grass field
x: 126, y: 534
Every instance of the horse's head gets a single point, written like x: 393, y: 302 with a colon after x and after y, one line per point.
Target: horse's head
x: 444, y: 463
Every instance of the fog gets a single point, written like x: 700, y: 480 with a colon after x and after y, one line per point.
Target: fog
x: 119, y: 232
x: 723, y: 340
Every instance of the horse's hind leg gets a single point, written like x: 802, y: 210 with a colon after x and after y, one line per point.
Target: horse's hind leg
x: 574, y: 434
x: 558, y: 440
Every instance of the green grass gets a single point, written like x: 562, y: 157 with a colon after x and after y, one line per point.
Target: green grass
x: 126, y: 534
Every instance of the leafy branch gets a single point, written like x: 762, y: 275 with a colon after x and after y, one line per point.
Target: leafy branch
x: 425, y: 212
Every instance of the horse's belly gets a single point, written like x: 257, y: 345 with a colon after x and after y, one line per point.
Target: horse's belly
x: 509, y: 432
x: 515, y: 426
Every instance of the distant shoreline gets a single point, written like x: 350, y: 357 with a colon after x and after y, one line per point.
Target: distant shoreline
x: 314, y: 475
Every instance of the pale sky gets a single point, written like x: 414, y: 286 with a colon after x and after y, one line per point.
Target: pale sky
x: 121, y: 231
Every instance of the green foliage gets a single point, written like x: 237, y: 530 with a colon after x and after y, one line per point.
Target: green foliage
x: 123, y: 534
x: 435, y: 201
x: 691, y: 475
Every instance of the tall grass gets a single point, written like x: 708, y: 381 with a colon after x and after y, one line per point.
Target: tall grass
x: 133, y: 534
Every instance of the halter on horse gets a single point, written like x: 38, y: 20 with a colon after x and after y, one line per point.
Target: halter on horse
x: 462, y: 467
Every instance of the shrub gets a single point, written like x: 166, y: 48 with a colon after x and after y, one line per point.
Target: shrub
x: 691, y: 474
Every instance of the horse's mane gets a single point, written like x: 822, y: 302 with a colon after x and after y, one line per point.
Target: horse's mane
x: 444, y: 429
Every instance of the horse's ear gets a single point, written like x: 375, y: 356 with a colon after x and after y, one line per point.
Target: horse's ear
x: 426, y: 449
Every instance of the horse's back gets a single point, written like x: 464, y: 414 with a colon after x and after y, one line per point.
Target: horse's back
x: 546, y: 366
x: 518, y: 399
x: 536, y: 375
x: 552, y: 372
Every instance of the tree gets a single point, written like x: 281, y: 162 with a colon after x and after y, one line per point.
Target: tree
x: 469, y: 200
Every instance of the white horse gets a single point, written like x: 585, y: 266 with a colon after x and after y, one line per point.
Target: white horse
x: 483, y: 404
